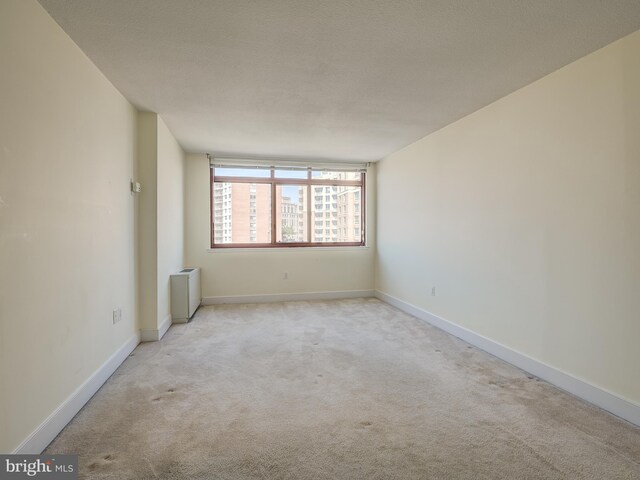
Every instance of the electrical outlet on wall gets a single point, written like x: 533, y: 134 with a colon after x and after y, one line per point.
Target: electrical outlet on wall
x: 117, y: 315
x: 285, y: 276
x: 433, y: 291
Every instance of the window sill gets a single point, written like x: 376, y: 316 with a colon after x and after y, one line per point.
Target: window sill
x: 289, y: 249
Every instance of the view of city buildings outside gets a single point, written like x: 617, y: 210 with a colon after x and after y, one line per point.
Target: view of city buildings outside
x: 242, y: 212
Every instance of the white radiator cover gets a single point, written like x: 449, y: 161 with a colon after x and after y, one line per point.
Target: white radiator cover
x: 185, y: 294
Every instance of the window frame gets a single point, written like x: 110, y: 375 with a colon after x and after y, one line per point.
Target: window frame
x: 273, y: 182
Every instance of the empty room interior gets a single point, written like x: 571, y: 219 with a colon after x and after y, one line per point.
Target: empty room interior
x: 316, y: 239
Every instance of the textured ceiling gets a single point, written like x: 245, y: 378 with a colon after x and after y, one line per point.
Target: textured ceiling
x: 329, y: 79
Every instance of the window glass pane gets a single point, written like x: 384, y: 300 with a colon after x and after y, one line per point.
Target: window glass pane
x: 242, y: 172
x: 328, y: 175
x: 291, y: 213
x: 241, y: 213
x: 338, y: 221
x: 291, y: 173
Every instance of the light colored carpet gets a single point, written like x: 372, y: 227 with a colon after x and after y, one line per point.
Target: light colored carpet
x: 348, y: 389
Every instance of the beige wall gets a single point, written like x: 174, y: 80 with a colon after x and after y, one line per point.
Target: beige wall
x: 161, y: 218
x: 259, y: 272
x: 67, y: 246
x: 170, y: 223
x: 147, y: 248
x: 525, y: 216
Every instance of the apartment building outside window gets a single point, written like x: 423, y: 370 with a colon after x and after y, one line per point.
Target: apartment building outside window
x: 286, y: 206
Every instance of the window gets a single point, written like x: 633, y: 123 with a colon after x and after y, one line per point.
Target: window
x: 257, y: 206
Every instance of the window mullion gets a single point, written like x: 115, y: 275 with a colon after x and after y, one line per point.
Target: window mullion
x: 363, y: 209
x: 309, y: 188
x: 273, y: 211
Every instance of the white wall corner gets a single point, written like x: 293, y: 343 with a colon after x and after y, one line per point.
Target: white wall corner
x: 153, y: 335
x: 44, y: 434
x: 604, y: 399
x: 288, y: 297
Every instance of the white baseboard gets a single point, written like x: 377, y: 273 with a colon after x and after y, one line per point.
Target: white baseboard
x: 164, y: 326
x: 154, y: 335
x: 602, y: 398
x: 288, y: 297
x: 42, y: 436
